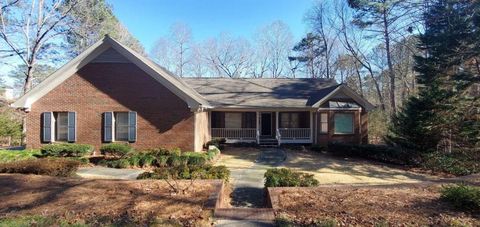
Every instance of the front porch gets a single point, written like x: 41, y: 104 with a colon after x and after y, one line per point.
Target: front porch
x: 262, y: 127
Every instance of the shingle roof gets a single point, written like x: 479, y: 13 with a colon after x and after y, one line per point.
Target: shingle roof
x: 273, y: 93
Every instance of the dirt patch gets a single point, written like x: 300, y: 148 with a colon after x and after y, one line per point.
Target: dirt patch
x: 105, y: 201
x: 368, y: 206
x: 238, y: 157
x: 328, y: 169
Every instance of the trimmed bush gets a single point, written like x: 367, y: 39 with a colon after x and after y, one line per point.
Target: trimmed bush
x: 164, y: 151
x: 188, y: 172
x: 177, y: 160
x: 195, y: 158
x: 462, y: 197
x: 212, y: 153
x: 66, y: 150
x: 115, y: 149
x: 46, y: 166
x: 285, y: 177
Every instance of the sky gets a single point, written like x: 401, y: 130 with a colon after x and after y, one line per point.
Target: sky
x: 148, y: 20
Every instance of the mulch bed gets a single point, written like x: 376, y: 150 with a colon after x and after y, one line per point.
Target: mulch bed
x: 104, y: 201
x: 408, y: 205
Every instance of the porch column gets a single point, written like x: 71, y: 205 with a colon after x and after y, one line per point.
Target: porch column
x: 257, y: 132
x: 311, y: 126
x: 279, y: 137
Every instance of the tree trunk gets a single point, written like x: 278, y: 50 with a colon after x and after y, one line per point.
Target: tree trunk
x: 360, y: 86
x: 28, y: 80
x: 391, y: 74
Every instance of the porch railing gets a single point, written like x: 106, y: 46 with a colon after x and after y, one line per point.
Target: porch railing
x: 234, y: 133
x: 294, y: 133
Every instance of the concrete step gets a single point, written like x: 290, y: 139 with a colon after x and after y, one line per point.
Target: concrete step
x: 240, y: 213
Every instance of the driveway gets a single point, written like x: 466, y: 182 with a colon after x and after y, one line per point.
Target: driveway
x: 248, y: 165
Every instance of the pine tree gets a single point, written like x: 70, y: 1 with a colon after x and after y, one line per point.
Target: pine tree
x: 442, y: 111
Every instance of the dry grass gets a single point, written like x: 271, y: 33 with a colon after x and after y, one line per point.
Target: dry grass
x: 334, y: 170
x: 368, y: 206
x: 327, y: 169
x: 108, y: 201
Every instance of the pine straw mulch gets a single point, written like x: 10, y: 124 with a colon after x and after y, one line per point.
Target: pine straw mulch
x: 408, y: 205
x: 100, y: 202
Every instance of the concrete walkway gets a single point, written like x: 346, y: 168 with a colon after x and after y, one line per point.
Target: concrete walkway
x: 248, y: 183
x: 98, y: 172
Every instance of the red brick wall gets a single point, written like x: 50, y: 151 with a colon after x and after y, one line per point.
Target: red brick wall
x: 360, y: 135
x: 164, y: 120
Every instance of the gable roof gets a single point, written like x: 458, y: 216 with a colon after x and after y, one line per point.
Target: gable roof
x: 171, y: 82
x: 270, y: 93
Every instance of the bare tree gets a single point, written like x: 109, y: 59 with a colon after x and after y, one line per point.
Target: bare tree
x: 352, y: 44
x: 387, y: 18
x: 322, y: 23
x: 275, y: 42
x: 162, y: 53
x: 228, y: 56
x: 181, y: 37
x: 31, y: 30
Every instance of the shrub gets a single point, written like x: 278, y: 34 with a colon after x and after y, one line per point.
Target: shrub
x: 462, y: 197
x: 217, y: 172
x: 212, y: 153
x: 381, y: 153
x: 66, y: 150
x: 218, y: 142
x: 456, y: 163
x: 162, y: 160
x: 318, y: 148
x: 115, y: 149
x: 177, y: 160
x: 285, y: 177
x: 195, y: 158
x: 11, y: 155
x: 164, y: 151
x: 45, y: 166
x: 188, y: 172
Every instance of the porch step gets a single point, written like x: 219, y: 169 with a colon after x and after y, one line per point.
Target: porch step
x: 268, y: 142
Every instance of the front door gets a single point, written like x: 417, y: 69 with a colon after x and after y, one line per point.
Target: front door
x: 266, y: 122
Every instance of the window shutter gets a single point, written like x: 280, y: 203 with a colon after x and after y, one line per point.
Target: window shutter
x: 47, y: 129
x: 72, y: 125
x: 132, y: 126
x: 108, y: 126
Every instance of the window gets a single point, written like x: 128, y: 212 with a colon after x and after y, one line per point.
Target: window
x: 233, y: 120
x: 289, y: 120
x: 61, y: 126
x: 323, y: 123
x: 343, y: 123
x: 121, y: 126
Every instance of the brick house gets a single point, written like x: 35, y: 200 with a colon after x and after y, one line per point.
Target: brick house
x: 110, y: 93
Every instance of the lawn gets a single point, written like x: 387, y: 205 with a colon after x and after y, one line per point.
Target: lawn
x: 102, y: 202
x: 368, y: 206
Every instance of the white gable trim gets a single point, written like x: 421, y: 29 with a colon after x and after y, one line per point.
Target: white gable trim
x: 191, y: 97
x: 349, y: 92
